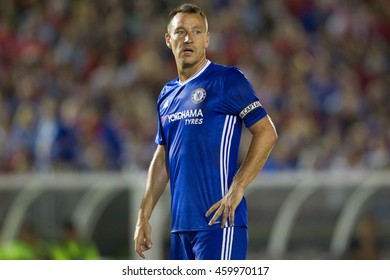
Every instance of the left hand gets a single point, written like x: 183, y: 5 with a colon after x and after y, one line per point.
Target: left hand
x: 226, y: 206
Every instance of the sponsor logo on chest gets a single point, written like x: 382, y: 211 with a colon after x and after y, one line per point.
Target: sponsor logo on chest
x: 191, y: 116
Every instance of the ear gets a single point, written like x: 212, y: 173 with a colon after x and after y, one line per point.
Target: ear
x: 168, y: 40
x: 207, y: 40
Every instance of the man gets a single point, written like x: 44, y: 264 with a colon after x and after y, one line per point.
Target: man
x: 200, y: 120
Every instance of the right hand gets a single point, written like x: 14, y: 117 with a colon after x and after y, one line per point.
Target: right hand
x: 142, y: 238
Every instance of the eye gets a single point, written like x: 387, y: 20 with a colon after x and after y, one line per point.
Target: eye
x: 180, y: 33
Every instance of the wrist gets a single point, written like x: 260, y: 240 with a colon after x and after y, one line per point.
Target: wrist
x: 142, y: 217
x: 237, y: 186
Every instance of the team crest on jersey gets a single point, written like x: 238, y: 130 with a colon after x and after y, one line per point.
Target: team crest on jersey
x: 198, y: 95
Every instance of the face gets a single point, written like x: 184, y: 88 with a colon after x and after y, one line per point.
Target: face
x: 188, y: 39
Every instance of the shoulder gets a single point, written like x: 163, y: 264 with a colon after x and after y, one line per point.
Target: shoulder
x: 215, y: 67
x: 224, y: 73
x: 168, y: 87
x: 229, y: 72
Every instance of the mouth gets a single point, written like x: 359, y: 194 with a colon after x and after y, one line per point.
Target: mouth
x: 188, y: 51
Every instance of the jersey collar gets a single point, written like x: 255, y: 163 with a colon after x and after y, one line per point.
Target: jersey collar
x: 200, y: 71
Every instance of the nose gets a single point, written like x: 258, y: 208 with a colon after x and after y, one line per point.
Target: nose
x: 187, y: 38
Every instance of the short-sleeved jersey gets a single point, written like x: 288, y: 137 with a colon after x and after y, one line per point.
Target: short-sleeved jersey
x: 200, y: 123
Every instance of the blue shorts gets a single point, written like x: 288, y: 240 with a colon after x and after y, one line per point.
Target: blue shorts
x: 218, y: 244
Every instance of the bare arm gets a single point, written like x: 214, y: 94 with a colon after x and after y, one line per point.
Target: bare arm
x: 263, y: 140
x: 155, y: 186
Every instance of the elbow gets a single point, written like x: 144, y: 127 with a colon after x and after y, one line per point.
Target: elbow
x: 275, y: 137
x: 272, y: 138
x: 269, y: 138
x: 272, y: 135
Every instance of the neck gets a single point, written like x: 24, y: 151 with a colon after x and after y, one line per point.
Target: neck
x: 186, y: 71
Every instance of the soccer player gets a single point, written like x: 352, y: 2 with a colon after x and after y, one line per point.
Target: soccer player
x: 200, y: 116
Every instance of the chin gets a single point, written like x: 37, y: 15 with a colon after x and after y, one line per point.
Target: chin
x: 188, y: 62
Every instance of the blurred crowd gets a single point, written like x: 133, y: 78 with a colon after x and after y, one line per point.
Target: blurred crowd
x: 79, y: 79
x: 69, y: 245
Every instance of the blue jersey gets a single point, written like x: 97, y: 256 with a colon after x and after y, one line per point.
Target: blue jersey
x: 200, y: 122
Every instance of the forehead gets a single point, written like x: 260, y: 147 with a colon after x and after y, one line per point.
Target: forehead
x: 186, y: 20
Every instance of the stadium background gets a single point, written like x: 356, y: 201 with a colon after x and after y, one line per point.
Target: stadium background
x: 78, y: 84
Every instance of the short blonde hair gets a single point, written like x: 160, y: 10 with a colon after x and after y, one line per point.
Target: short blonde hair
x: 188, y: 9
